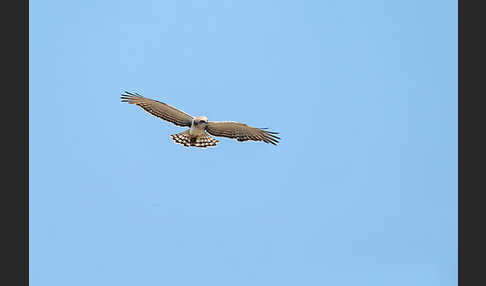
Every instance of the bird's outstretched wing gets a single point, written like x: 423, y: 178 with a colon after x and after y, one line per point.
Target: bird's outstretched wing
x: 159, y: 109
x: 241, y: 132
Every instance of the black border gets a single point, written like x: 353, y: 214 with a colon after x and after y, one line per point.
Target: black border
x: 470, y: 164
x: 15, y: 142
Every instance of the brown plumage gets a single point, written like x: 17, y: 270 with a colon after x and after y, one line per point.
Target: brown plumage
x: 241, y: 132
x: 196, y: 136
x: 159, y: 109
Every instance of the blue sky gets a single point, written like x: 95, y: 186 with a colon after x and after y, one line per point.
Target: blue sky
x: 362, y: 189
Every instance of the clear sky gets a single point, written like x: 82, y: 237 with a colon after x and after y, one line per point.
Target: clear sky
x: 362, y: 189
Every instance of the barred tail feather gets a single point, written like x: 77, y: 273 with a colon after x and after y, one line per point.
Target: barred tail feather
x: 187, y: 140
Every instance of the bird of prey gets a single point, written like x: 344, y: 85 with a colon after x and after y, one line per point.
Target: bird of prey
x: 196, y: 135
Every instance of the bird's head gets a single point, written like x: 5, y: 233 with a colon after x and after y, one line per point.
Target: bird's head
x: 199, y: 120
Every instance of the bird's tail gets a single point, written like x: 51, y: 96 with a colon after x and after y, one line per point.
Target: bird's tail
x: 203, y: 140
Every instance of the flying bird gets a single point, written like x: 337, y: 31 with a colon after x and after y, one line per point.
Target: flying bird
x: 196, y: 135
